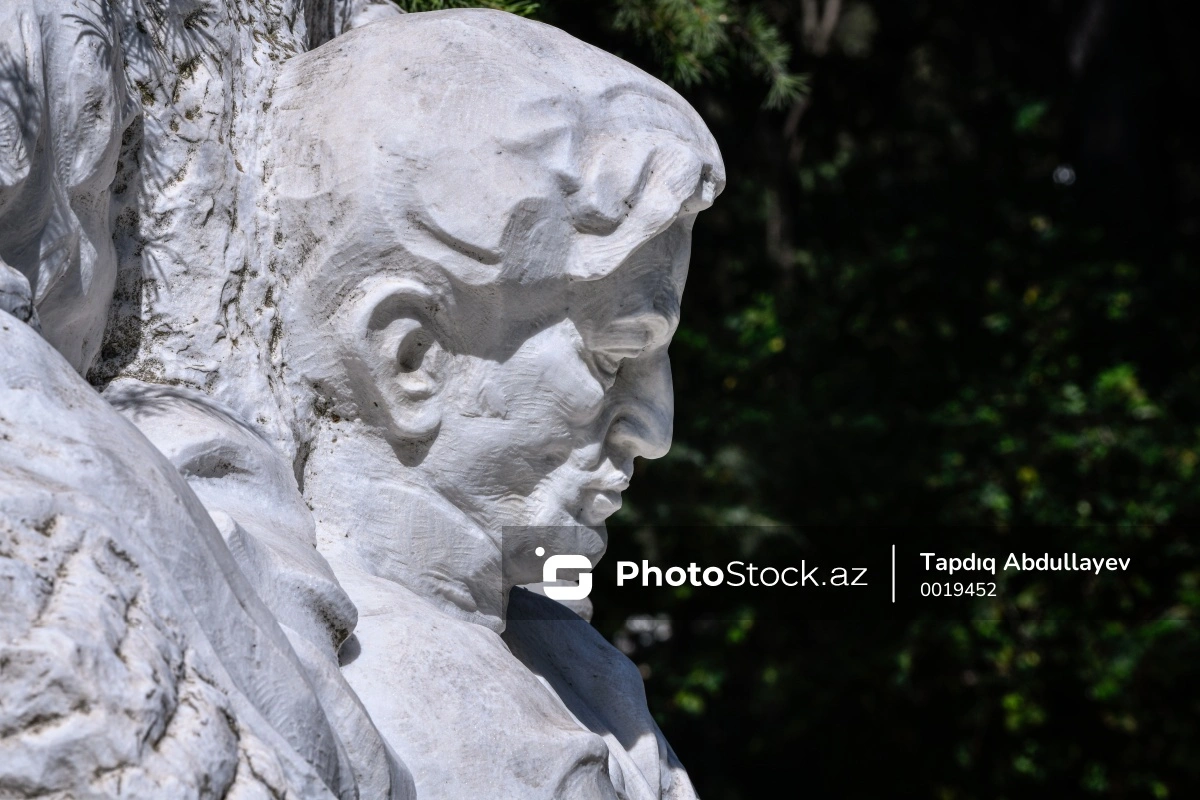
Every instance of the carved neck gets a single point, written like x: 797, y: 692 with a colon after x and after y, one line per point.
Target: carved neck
x: 378, y: 517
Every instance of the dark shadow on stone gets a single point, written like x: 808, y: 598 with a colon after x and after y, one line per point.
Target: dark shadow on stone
x: 351, y: 650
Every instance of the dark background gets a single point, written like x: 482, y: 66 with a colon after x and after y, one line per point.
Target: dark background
x: 952, y: 281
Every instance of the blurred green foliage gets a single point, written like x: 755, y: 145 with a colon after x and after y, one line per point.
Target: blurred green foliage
x: 695, y: 41
x: 523, y: 8
x: 953, y: 280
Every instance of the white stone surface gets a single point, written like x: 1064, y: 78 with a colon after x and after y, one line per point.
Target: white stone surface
x: 482, y: 230
x: 63, y: 108
x: 179, y: 681
x: 374, y: 304
x: 136, y: 660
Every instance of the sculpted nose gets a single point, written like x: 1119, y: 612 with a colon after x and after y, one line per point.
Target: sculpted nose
x: 643, y: 407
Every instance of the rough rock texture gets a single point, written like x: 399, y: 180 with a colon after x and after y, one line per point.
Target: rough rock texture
x: 194, y: 304
x: 143, y: 116
x: 135, y: 661
x: 187, y: 190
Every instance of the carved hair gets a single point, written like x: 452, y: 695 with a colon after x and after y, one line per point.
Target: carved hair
x: 469, y: 149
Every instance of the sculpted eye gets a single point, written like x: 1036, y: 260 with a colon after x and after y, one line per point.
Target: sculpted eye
x: 614, y: 347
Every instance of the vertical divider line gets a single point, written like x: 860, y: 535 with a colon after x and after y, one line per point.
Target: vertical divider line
x: 893, y: 573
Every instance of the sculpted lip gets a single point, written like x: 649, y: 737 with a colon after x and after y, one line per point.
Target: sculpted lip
x: 601, y: 498
x: 599, y: 505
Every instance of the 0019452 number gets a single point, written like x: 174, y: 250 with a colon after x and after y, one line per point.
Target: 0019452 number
x: 958, y: 590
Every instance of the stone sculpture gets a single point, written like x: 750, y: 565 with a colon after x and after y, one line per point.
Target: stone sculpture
x: 137, y: 659
x: 419, y: 347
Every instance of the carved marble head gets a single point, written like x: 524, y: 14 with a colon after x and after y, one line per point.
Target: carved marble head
x: 484, y: 228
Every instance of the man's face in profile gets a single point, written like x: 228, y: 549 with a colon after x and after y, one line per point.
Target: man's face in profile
x: 547, y: 435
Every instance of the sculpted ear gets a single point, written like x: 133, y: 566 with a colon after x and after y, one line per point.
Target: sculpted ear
x: 398, y: 358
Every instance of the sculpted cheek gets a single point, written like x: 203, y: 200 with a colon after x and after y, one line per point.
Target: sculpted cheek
x: 551, y: 382
x: 571, y: 392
